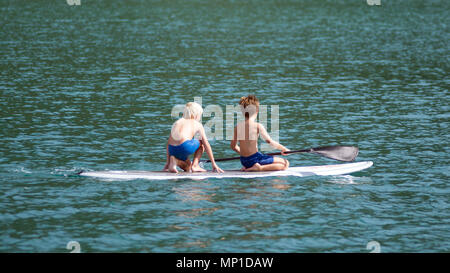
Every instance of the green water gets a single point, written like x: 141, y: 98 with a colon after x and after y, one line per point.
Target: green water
x: 91, y: 87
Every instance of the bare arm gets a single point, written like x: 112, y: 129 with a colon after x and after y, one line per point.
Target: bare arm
x: 266, y: 137
x: 208, y: 149
x: 233, y: 143
x: 166, y: 166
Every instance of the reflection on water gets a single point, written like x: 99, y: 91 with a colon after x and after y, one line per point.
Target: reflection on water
x: 280, y: 184
x: 194, y: 191
x: 193, y: 213
x: 349, y: 179
x: 192, y: 244
x: 207, y: 202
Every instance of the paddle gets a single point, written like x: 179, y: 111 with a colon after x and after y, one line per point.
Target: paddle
x: 341, y: 153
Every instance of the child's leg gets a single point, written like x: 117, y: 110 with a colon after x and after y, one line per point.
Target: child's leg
x: 172, y: 165
x: 278, y: 164
x: 197, y: 155
x: 185, y: 165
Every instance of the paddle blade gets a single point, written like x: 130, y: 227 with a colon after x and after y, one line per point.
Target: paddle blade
x: 341, y: 153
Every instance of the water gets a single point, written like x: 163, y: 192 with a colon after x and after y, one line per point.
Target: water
x: 91, y: 87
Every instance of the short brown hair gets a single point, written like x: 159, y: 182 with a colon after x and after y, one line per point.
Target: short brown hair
x: 246, y: 101
x: 249, y: 100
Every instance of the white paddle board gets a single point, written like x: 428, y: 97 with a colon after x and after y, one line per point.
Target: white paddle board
x: 337, y: 169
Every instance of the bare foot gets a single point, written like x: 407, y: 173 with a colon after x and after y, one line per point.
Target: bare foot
x: 186, y: 166
x: 254, y: 168
x: 243, y: 169
x: 197, y: 168
x: 172, y: 165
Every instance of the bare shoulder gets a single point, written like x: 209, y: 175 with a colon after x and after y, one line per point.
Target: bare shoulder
x: 176, y: 123
x: 179, y: 121
x: 260, y: 126
x: 198, y: 125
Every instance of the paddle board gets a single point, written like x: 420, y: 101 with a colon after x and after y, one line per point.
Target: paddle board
x: 292, y: 171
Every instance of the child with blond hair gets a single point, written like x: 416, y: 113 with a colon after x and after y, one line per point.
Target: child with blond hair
x: 181, y: 143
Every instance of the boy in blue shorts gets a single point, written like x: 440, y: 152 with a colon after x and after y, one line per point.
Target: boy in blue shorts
x: 181, y: 143
x: 247, y: 133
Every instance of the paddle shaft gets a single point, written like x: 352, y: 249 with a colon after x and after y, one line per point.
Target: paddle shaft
x: 341, y: 153
x: 278, y: 153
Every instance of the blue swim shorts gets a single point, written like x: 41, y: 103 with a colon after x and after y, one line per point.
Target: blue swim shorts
x: 185, y: 149
x: 257, y: 157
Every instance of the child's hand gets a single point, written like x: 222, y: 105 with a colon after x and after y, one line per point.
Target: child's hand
x: 166, y: 167
x: 217, y: 169
x: 284, y: 150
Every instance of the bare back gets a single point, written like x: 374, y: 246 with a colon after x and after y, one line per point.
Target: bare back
x: 182, y: 130
x: 247, y: 133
